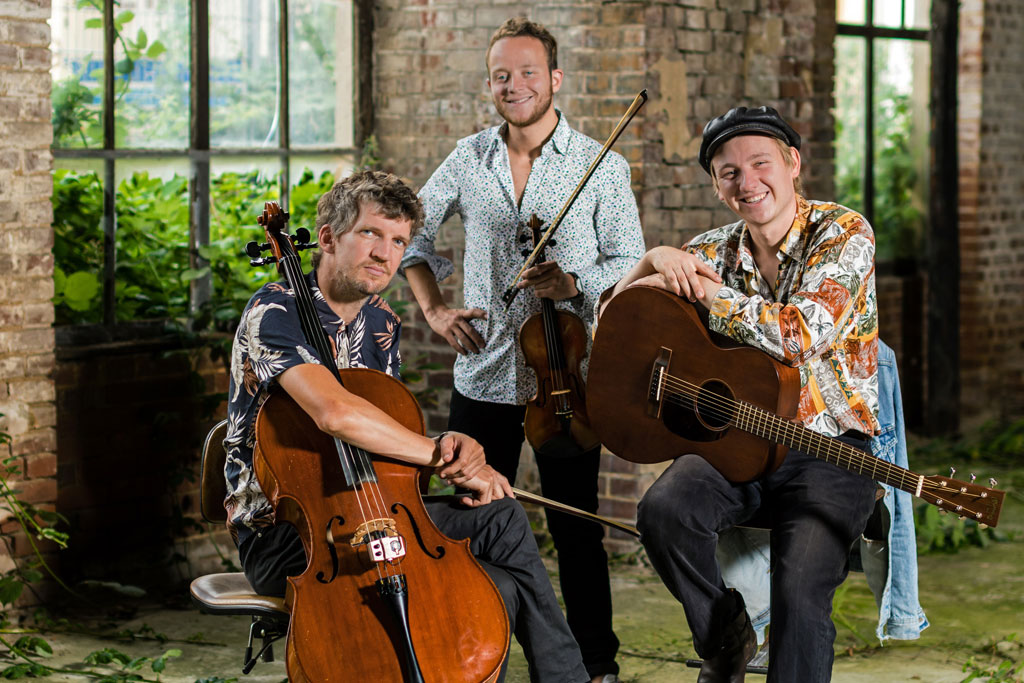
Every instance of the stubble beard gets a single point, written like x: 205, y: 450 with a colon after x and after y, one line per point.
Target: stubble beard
x: 542, y: 107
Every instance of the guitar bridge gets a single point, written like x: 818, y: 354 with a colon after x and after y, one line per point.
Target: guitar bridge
x: 656, y: 392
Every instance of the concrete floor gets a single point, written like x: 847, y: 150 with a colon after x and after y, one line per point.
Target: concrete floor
x: 972, y: 598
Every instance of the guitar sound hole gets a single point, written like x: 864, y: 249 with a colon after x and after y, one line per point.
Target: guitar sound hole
x: 715, y: 405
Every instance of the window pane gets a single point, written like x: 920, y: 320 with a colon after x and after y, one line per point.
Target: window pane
x: 320, y: 61
x: 78, y: 241
x: 238, y: 188
x: 888, y: 13
x: 850, y: 136
x: 77, y: 95
x: 850, y: 11
x: 919, y: 14
x: 151, y: 62
x: 152, y: 240
x: 901, y: 146
x: 244, y: 68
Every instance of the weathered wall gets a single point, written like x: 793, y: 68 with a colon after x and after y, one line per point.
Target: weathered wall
x: 991, y: 149
x: 697, y: 58
x: 26, y: 265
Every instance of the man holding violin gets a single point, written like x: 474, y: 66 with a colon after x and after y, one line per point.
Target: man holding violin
x: 496, y: 180
x: 794, y: 278
x: 366, y: 222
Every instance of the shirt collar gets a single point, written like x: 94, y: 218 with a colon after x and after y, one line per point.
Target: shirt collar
x: 792, y: 244
x: 558, y: 142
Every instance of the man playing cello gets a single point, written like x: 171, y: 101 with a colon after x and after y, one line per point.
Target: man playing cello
x: 796, y: 279
x: 365, y: 222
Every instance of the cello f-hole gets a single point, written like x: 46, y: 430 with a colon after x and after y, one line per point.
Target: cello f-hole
x: 440, y: 551
x: 335, y: 566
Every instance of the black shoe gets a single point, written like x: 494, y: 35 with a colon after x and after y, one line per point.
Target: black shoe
x: 730, y: 664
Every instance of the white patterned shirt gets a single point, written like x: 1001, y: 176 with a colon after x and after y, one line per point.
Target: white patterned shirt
x: 599, y: 241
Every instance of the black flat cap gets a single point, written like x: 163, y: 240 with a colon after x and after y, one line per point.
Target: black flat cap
x: 744, y: 121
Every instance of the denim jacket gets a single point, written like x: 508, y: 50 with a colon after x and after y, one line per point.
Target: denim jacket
x: 889, y: 566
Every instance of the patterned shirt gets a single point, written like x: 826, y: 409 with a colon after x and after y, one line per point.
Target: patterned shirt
x: 599, y: 241
x: 269, y: 340
x: 820, y: 315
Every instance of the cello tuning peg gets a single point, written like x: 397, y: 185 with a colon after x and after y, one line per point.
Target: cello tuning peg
x: 301, y: 236
x: 992, y: 482
x: 253, y: 249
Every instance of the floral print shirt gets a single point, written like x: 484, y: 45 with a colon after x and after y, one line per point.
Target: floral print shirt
x: 599, y: 241
x: 820, y: 315
x: 269, y: 340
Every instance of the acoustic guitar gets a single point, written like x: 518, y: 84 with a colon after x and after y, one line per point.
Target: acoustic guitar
x: 661, y: 385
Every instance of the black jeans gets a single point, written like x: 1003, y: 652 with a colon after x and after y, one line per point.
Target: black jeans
x: 501, y: 539
x: 582, y: 560
x: 815, y: 509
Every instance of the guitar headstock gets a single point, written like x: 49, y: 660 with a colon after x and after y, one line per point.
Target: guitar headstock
x: 967, y: 500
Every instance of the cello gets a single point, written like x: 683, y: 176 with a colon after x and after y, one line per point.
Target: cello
x: 371, y: 604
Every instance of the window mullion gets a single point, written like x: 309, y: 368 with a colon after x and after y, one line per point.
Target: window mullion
x: 200, y: 289
x: 109, y: 178
x: 284, y: 129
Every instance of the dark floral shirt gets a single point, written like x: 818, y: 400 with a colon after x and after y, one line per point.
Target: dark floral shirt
x: 270, y: 340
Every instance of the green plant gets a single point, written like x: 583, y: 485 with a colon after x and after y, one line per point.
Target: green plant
x: 938, y: 532
x: 1010, y: 669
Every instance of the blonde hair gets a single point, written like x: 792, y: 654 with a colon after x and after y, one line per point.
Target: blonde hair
x: 786, y: 157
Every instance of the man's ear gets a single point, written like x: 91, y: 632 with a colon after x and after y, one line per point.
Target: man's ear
x: 795, y: 154
x: 556, y: 80
x: 325, y: 237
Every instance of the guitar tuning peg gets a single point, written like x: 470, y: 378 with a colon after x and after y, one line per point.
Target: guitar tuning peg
x: 992, y: 482
x: 973, y: 477
x: 952, y: 471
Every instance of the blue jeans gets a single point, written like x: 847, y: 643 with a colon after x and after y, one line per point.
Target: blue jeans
x: 815, y: 510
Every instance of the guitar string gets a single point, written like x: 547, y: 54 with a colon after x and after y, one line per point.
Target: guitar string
x: 366, y: 491
x: 802, y: 437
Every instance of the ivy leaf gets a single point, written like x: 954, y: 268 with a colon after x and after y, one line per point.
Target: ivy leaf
x: 123, y: 18
x: 95, y: 22
x: 160, y: 663
x: 10, y: 589
x: 124, y: 66
x: 141, y: 40
x: 31, y: 575
x: 81, y: 288
x: 156, y: 49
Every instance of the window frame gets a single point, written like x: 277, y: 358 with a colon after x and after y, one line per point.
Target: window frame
x: 869, y: 32
x: 199, y: 153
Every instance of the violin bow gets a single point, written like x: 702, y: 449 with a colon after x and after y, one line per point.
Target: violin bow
x: 510, y: 294
x: 527, y: 497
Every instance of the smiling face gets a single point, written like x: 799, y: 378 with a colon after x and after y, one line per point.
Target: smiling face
x: 521, y: 83
x: 755, y: 180
x: 362, y: 260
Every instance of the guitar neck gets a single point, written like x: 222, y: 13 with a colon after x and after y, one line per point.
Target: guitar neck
x: 766, y: 425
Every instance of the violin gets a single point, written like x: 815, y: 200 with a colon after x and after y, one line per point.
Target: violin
x: 375, y: 601
x: 554, y: 344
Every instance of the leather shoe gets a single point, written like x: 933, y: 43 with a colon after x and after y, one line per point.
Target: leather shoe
x: 730, y: 664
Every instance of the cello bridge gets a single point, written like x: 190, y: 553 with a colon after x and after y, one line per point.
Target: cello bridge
x: 381, y: 538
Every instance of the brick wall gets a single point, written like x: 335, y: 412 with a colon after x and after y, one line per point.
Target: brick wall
x: 26, y: 265
x: 991, y: 148
x: 697, y: 58
x: 132, y: 420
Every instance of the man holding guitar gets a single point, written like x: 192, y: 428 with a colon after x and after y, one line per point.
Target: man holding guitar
x: 366, y: 222
x: 495, y: 180
x: 796, y: 279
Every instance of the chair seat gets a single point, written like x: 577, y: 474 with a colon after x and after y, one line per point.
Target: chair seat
x: 230, y: 593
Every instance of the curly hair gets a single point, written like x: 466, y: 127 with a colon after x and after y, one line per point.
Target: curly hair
x: 339, y: 207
